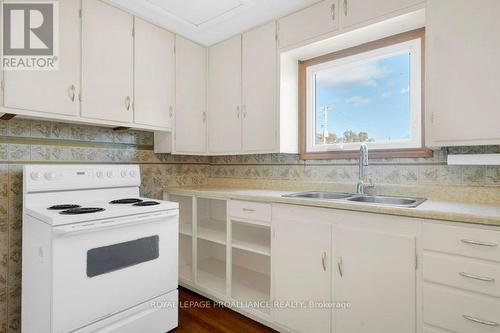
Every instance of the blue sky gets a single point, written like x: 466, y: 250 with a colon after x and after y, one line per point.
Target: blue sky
x: 372, y: 97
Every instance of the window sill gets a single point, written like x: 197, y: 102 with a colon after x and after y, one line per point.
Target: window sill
x: 381, y: 153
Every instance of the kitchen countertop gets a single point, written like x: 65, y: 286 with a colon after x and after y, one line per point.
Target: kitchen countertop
x: 436, y: 210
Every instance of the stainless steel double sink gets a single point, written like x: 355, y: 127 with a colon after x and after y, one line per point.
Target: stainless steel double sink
x: 360, y: 198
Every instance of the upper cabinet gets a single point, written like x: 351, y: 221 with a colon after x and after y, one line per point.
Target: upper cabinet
x: 107, y: 63
x: 259, y: 89
x: 462, y: 73
x: 354, y: 12
x: 190, y: 90
x: 154, y: 75
x: 56, y: 91
x: 224, y: 96
x: 309, y: 23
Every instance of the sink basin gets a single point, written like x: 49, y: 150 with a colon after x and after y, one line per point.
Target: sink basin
x: 320, y: 195
x: 391, y: 201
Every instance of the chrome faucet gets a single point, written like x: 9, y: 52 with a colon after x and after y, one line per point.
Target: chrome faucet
x: 363, y: 163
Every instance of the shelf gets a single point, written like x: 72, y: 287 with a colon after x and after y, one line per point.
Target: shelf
x: 186, y: 229
x: 213, y: 231
x: 258, y: 246
x: 248, y: 285
x: 212, y: 275
x: 185, y: 272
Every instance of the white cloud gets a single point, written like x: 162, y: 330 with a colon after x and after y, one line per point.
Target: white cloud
x: 365, y: 74
x: 387, y: 94
x: 405, y: 90
x: 358, y: 101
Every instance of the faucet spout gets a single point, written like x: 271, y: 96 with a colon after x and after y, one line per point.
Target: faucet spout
x: 363, y: 163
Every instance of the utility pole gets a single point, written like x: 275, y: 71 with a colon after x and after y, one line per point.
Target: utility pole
x: 325, y: 111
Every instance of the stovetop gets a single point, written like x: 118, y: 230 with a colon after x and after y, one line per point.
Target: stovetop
x: 67, y: 213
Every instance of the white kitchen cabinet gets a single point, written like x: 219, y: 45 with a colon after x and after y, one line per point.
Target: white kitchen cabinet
x: 107, y: 63
x: 190, y: 89
x: 354, y: 12
x: 224, y: 96
x: 301, y: 272
x: 154, y: 75
x: 308, y: 24
x: 462, y: 72
x: 54, y: 91
x: 375, y: 272
x: 259, y: 87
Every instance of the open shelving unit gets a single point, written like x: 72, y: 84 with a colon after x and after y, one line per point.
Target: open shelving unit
x: 251, y: 262
x: 211, y: 266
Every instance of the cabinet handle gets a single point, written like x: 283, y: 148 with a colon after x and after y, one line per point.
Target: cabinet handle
x: 171, y: 111
x: 480, y: 243
x: 238, y: 112
x: 127, y: 103
x: 477, y: 277
x: 248, y: 210
x: 204, y: 117
x: 481, y: 321
x: 345, y: 7
x: 244, y: 110
x: 72, y: 92
x: 340, y: 265
x: 323, y: 261
x: 333, y: 11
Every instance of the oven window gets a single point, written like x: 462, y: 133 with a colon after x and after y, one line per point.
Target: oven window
x: 110, y: 258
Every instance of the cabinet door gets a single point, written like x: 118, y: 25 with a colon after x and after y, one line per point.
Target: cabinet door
x: 154, y: 78
x: 108, y: 62
x: 259, y: 89
x: 301, y: 272
x: 375, y: 272
x: 191, y: 86
x: 224, y: 96
x: 359, y: 11
x: 51, y: 91
x: 462, y: 72
x: 308, y: 23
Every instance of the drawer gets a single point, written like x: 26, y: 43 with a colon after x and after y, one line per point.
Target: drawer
x: 465, y: 273
x: 250, y: 210
x: 470, y: 242
x: 447, y: 308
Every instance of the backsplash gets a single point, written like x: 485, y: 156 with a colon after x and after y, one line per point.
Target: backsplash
x: 31, y: 141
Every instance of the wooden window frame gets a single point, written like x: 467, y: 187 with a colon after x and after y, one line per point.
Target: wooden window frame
x: 346, y: 154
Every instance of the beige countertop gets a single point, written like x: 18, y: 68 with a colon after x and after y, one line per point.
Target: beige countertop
x: 437, y: 210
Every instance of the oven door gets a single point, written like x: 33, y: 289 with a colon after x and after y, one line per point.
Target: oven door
x: 104, y: 267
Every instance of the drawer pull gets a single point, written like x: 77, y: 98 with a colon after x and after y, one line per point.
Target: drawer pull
x: 481, y: 321
x: 480, y: 243
x: 477, y: 277
x: 248, y: 210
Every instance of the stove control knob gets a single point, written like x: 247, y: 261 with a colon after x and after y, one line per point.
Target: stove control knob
x: 36, y: 175
x: 132, y: 173
x: 50, y: 175
x: 109, y: 174
x: 123, y: 173
x: 99, y: 174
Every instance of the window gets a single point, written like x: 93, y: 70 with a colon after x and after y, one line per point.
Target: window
x: 370, y: 94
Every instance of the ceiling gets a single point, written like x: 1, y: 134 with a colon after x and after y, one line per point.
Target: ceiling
x: 210, y: 21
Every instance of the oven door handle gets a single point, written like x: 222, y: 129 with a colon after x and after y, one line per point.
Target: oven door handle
x: 111, y: 224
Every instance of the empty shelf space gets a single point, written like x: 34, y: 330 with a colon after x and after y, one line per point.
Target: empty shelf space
x: 186, y: 229
x: 212, y: 275
x: 248, y: 285
x: 212, y: 230
x: 251, y: 238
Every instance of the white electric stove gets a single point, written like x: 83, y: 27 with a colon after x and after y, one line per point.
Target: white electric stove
x: 96, y: 256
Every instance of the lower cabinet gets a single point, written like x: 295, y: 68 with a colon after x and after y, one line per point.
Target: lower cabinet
x: 302, y: 273
x: 375, y: 272
x: 363, y: 266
